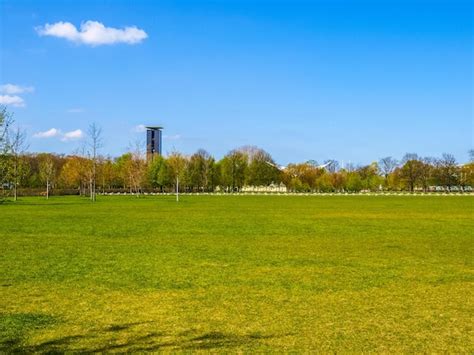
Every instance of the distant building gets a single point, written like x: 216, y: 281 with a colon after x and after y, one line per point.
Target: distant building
x: 153, y: 141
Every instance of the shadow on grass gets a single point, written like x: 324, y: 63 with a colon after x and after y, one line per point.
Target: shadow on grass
x: 119, y: 327
x: 14, y: 329
x: 17, y: 327
x: 207, y: 341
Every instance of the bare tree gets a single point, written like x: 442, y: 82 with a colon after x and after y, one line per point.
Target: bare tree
x: 94, y: 143
x: 250, y: 151
x: 410, y: 156
x: 6, y: 120
x: 17, y: 143
x: 471, y: 155
x: 387, y: 165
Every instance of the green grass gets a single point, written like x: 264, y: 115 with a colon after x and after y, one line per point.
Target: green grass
x: 238, y: 273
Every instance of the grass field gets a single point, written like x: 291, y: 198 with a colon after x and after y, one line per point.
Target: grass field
x: 238, y: 273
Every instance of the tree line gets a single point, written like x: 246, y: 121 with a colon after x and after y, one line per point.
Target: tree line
x: 87, y: 172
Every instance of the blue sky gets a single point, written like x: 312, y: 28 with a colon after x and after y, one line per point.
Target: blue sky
x: 353, y: 80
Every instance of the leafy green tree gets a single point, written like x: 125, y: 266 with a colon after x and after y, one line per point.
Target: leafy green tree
x: 177, y: 166
x: 214, y: 175
x: 302, y: 177
x: 199, y: 170
x: 296, y: 185
x: 132, y: 167
x: 324, y: 183
x: 353, y: 182
x: 260, y: 172
x: 369, y: 177
x: 411, y: 170
x: 233, y: 170
x: 124, y: 167
x: 158, y: 173
x: 447, y: 170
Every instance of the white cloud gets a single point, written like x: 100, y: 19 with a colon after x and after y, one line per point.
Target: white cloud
x: 12, y: 89
x: 93, y: 33
x: 75, y: 110
x: 53, y: 132
x: 140, y: 128
x: 173, y: 137
x: 11, y: 92
x: 12, y: 100
x: 72, y: 135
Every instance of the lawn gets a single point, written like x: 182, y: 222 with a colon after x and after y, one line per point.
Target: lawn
x: 238, y: 273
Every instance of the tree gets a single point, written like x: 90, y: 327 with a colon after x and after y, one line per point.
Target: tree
x: 47, y: 172
x: 426, y: 172
x: 387, y: 165
x: 259, y: 171
x: 447, y: 169
x: 353, y: 181
x: 302, y: 177
x: 6, y: 120
x: 177, y: 164
x: 411, y: 170
x: 369, y: 176
x: 324, y: 182
x: 199, y: 170
x: 158, y: 173
x: 466, y: 174
x: 17, y: 143
x: 215, y: 175
x: 338, y: 180
x: 132, y: 168
x: 471, y: 155
x: 95, y: 143
x: 233, y: 170
x: 74, y: 173
x: 109, y: 173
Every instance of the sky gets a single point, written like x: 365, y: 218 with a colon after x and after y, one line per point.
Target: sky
x: 351, y: 80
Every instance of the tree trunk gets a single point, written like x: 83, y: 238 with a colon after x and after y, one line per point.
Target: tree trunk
x: 15, y: 183
x: 177, y: 189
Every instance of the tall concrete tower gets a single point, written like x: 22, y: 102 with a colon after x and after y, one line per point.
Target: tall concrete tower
x: 153, y: 141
